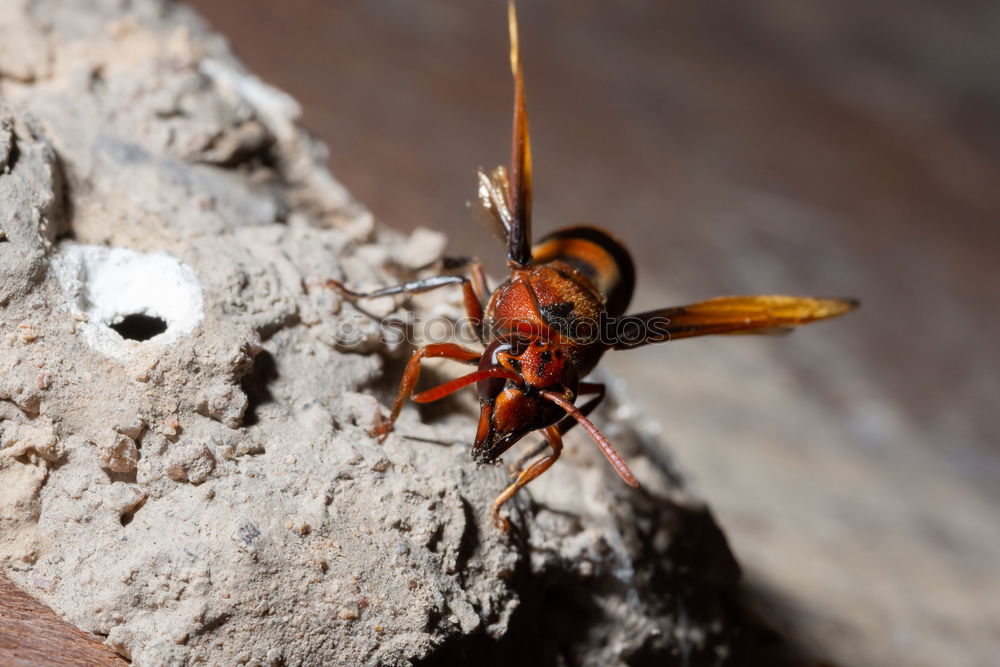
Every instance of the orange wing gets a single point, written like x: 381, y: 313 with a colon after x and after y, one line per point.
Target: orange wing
x: 725, y: 315
x: 519, y: 188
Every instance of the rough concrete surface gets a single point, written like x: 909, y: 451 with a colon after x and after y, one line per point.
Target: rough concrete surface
x: 185, y: 467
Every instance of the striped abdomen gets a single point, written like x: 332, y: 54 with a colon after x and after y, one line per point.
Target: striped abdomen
x: 596, y: 254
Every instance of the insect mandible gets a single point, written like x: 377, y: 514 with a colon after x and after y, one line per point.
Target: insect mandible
x: 560, y: 309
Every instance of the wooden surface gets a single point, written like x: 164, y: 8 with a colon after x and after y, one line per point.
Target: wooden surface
x: 32, y: 635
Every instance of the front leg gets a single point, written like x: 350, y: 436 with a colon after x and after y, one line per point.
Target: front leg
x: 412, y: 374
x: 554, y: 440
x: 474, y: 289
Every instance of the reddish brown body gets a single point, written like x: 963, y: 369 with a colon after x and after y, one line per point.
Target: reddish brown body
x: 581, y: 278
x: 544, y: 325
x: 548, y: 324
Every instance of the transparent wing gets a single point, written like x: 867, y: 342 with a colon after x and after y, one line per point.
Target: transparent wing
x: 491, y: 206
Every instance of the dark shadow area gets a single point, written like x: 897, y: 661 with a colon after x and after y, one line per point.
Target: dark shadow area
x: 124, y: 477
x: 765, y: 645
x: 13, y: 154
x: 126, y: 517
x: 256, y: 385
x: 140, y: 327
x: 704, y: 614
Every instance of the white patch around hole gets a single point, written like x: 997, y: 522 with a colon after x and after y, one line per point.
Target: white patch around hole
x: 104, y: 285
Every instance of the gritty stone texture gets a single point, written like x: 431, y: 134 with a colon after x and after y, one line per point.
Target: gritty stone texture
x: 191, y: 462
x: 213, y: 494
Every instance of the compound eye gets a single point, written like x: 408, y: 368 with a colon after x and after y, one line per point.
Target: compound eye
x: 490, y: 388
x: 518, y: 346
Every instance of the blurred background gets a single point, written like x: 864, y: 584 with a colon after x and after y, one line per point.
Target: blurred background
x: 844, y: 148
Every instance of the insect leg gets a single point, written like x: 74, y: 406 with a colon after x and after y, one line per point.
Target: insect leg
x: 474, y: 289
x: 518, y: 466
x: 566, y: 423
x: 452, y: 386
x: 537, y: 468
x: 477, y: 274
x: 412, y: 374
x: 412, y: 287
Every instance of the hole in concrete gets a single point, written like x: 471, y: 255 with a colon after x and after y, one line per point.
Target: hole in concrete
x: 255, y: 384
x: 140, y: 327
x: 121, y: 297
x: 129, y: 513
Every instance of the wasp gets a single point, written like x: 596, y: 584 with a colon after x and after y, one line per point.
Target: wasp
x: 546, y: 326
